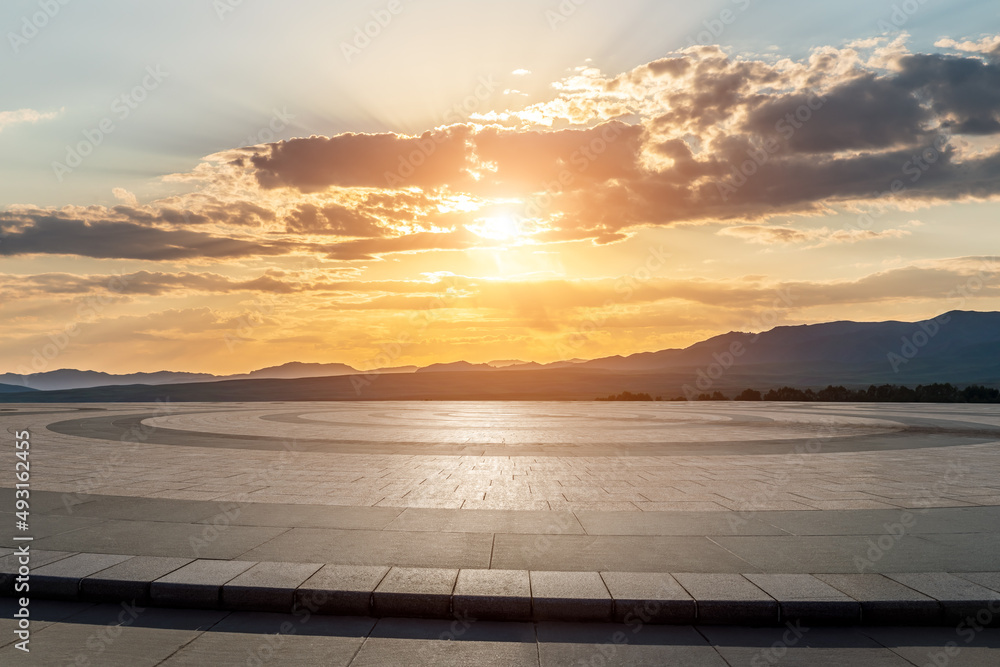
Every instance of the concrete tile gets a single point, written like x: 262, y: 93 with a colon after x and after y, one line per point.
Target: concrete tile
x: 43, y: 525
x: 806, y: 598
x: 219, y: 648
x: 312, y: 516
x: 130, y: 579
x: 146, y: 509
x: 267, y: 586
x: 601, y: 553
x: 623, y: 645
x: 570, y: 596
x: 681, y: 506
x: 160, y: 538
x: 249, y: 638
x: 729, y: 599
x: 674, y: 523
x: 872, y: 522
x: 37, y: 558
x: 120, y: 634
x: 61, y: 579
x: 367, y: 547
x: 264, y: 623
x: 67, y: 644
x: 198, y: 584
x: 47, y: 502
x: 498, y: 595
x: 959, y: 598
x: 990, y: 580
x: 929, y: 647
x: 796, y: 644
x: 399, y: 642
x: 43, y: 613
x: 838, y: 554
x: 650, y: 597
x: 340, y: 589
x: 487, y: 521
x: 884, y: 601
x: 415, y: 592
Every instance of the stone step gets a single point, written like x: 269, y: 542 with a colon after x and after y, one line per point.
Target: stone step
x: 795, y: 600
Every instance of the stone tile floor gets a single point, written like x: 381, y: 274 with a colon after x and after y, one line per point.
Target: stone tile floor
x: 115, y: 635
x: 883, y: 471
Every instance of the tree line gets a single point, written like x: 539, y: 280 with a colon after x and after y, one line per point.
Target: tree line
x: 886, y: 393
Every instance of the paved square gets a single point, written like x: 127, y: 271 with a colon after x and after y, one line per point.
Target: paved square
x: 733, y: 489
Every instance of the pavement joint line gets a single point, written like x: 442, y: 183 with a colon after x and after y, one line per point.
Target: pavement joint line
x: 826, y: 611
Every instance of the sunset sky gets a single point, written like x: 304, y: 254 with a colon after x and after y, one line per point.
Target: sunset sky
x: 219, y: 186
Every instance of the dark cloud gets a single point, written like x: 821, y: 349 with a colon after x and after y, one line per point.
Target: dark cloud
x: 51, y: 235
x: 147, y: 283
x: 365, y: 160
x: 332, y: 219
x: 963, y: 91
x: 866, y: 113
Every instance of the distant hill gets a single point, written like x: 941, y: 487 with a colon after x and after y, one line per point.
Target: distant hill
x: 69, y: 378
x: 13, y: 389
x: 959, y: 347
x: 455, y: 367
x: 297, y: 369
x: 74, y: 379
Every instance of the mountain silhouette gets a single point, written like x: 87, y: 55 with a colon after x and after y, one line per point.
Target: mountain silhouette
x: 960, y: 347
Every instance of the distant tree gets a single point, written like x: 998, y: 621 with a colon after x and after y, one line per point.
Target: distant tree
x: 888, y: 393
x: 979, y: 394
x: 937, y: 393
x: 626, y: 396
x: 789, y: 394
x: 838, y: 393
x: 718, y: 396
x: 748, y: 395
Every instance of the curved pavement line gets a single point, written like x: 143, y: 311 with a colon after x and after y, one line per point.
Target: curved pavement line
x: 935, y: 598
x: 922, y: 434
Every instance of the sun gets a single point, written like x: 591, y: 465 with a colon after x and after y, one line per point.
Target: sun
x: 498, y: 228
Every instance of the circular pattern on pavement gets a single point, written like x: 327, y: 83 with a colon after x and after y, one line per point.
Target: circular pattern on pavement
x: 533, y: 429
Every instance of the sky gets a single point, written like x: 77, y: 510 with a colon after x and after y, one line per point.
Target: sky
x: 224, y: 185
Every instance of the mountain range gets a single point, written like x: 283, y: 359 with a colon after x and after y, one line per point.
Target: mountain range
x: 961, y: 347
x: 69, y: 378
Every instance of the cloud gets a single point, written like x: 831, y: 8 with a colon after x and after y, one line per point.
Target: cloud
x: 409, y: 243
x: 543, y: 302
x: 989, y: 45
x: 121, y: 194
x: 364, y: 160
x: 709, y: 136
x: 8, y: 118
x: 332, y: 219
x: 778, y: 235
x: 699, y: 135
x: 47, y: 234
x: 866, y: 113
x: 963, y: 92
